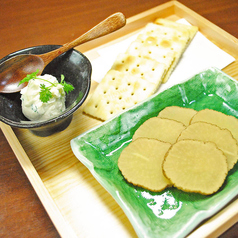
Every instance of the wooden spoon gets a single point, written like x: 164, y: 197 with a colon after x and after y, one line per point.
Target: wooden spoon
x: 13, y: 70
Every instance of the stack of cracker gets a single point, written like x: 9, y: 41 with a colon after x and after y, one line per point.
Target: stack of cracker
x: 138, y: 73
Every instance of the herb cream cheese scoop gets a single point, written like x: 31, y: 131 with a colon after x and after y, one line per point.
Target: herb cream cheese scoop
x: 43, y: 98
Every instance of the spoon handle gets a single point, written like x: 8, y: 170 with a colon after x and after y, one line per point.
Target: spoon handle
x: 108, y: 25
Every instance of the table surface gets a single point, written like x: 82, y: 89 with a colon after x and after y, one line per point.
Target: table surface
x: 27, y: 23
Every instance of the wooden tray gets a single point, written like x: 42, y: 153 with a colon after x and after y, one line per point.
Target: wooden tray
x: 77, y: 204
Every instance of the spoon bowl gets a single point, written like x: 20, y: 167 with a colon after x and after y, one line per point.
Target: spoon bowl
x: 17, y: 68
x: 13, y: 70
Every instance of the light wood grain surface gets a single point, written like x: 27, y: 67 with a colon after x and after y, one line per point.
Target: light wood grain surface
x: 29, y: 23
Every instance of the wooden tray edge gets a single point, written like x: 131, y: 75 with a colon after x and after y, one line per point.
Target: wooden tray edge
x: 65, y: 230
x: 136, y: 22
x: 36, y: 182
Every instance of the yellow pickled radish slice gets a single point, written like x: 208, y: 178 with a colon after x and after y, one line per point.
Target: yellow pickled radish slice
x: 218, y: 118
x: 161, y: 129
x: 221, y: 137
x: 176, y: 113
x: 141, y: 163
x: 195, y: 166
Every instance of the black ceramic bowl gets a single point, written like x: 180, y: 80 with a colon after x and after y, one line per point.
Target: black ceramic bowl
x: 77, y: 71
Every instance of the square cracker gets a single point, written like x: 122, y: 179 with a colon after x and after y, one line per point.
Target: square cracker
x: 116, y: 92
x: 192, y: 30
x: 147, y: 69
x: 161, y: 43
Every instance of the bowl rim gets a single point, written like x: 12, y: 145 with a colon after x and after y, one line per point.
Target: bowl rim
x: 35, y: 124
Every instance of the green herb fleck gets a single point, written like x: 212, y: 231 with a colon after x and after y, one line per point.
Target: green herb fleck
x: 29, y: 77
x: 45, y: 93
x: 67, y: 87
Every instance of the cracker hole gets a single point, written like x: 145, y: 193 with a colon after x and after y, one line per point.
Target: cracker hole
x: 105, y: 92
x: 111, y: 112
x: 120, y: 98
x: 149, y: 52
x: 96, y: 106
x: 116, y: 88
x: 153, y: 69
x: 127, y: 69
x: 137, y: 65
x: 108, y: 102
x: 144, y: 89
x: 142, y: 74
x: 123, y: 61
x: 113, y: 78
x: 132, y: 94
x: 123, y: 108
x: 129, y: 84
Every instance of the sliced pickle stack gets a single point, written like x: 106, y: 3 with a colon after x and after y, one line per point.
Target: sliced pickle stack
x: 192, y: 151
